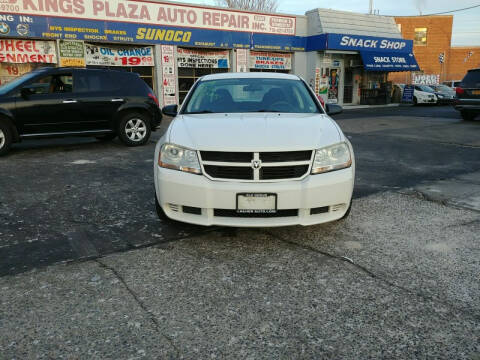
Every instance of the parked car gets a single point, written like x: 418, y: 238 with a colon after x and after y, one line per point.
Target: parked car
x: 452, y: 83
x: 424, y: 94
x: 445, y: 94
x: 253, y: 149
x: 467, y: 99
x: 57, y: 102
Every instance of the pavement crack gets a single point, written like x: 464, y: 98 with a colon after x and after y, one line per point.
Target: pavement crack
x: 141, y: 304
x: 375, y: 276
x: 445, y: 202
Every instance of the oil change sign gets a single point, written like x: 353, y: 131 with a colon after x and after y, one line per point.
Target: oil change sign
x: 187, y: 58
x: 119, y: 56
x: 27, y: 51
x: 270, y: 61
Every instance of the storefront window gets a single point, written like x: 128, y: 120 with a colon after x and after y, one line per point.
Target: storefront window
x: 270, y: 62
x: 420, y: 36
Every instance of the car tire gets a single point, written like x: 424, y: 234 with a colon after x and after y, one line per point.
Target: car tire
x: 134, y: 129
x: 467, y: 116
x: 107, y: 137
x: 5, y: 138
x: 415, y: 101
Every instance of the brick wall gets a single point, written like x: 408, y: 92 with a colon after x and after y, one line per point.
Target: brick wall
x: 460, y: 62
x: 439, y: 35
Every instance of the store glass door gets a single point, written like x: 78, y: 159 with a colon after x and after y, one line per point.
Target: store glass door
x: 348, y: 86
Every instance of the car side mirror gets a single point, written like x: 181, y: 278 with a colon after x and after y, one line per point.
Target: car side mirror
x: 333, y: 109
x: 170, y: 110
x: 25, y: 93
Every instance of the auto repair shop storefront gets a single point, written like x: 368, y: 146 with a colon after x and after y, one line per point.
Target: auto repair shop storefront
x: 169, y: 45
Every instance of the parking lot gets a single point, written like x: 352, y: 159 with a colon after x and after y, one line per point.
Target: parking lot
x: 89, y: 271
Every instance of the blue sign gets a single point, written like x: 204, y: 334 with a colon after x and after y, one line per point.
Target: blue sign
x: 358, y: 43
x: 52, y: 28
x: 407, y: 96
x: 391, y: 61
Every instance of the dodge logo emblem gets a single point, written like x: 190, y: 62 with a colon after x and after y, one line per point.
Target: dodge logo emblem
x: 256, y: 164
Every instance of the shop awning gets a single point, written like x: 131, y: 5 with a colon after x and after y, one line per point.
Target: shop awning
x: 389, y: 61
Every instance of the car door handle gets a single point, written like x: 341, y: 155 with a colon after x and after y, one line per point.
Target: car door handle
x: 117, y: 100
x: 69, y: 101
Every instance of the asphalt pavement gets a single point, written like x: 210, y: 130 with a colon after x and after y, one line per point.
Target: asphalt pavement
x: 88, y: 271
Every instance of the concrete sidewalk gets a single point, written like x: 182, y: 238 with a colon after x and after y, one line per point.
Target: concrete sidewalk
x: 397, y: 279
x: 355, y: 107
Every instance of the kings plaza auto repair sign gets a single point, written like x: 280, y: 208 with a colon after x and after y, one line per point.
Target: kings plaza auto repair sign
x: 153, y: 13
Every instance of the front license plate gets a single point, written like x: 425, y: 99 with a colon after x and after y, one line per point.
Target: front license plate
x: 256, y: 203
x: 476, y: 92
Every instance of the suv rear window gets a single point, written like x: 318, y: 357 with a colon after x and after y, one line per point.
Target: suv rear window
x: 471, y: 80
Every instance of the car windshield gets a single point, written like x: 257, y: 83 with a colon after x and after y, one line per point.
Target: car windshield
x: 426, y: 88
x: 444, y: 88
x: 251, y: 95
x: 5, y: 88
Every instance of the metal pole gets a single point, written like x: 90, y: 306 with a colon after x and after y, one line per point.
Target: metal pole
x: 370, y: 10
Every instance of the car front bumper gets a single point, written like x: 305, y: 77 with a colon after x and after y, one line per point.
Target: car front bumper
x: 329, y: 193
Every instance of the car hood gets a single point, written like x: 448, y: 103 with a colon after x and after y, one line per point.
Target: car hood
x: 423, y: 93
x: 254, y: 131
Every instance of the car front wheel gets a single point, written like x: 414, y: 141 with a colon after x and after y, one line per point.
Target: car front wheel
x: 134, y: 129
x: 5, y: 138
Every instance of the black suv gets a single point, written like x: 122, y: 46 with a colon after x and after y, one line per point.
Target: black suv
x: 467, y: 99
x: 54, y: 102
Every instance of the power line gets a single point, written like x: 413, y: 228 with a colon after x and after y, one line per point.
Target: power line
x: 445, y: 12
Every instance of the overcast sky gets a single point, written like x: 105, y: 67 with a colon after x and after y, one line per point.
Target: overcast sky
x: 466, y: 24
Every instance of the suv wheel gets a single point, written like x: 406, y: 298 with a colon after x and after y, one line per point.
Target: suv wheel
x: 467, y: 116
x: 134, y: 129
x: 5, y: 138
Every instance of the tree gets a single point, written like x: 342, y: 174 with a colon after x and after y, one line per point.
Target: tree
x: 252, y: 5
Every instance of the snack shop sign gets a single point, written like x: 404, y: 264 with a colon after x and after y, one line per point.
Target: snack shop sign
x: 156, y: 13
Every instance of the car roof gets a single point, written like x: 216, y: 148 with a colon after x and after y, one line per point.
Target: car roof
x: 59, y: 69
x: 252, y: 75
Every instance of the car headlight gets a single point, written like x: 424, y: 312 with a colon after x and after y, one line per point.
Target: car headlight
x: 440, y: 96
x: 179, y: 158
x: 330, y: 158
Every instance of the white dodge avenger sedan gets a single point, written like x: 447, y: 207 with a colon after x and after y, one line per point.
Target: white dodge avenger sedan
x: 253, y: 149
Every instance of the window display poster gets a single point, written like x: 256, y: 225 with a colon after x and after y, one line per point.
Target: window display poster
x: 72, y: 53
x: 27, y: 51
x: 119, y: 55
x: 169, y: 81
x: 333, y: 86
x: 242, y: 60
x: 189, y: 58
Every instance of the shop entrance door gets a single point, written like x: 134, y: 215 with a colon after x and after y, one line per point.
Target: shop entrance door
x: 348, y: 86
x: 333, y: 82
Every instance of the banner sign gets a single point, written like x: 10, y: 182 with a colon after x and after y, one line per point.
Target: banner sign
x: 72, y: 53
x: 124, y: 32
x: 375, y: 61
x: 242, y: 60
x: 119, y: 56
x: 274, y: 61
x: 187, y: 58
x: 169, y: 81
x: 27, y: 51
x: 9, y: 71
x: 422, y: 79
x: 142, y: 12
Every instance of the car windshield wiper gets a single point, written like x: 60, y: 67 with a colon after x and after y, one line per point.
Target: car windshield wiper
x: 199, y: 112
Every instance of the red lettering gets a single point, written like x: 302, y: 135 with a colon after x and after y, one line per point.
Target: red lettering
x: 78, y: 7
x: 51, y: 5
x: 66, y: 6
x: 9, y: 45
x: 144, y: 14
x: 107, y: 10
x: 28, y: 4
x: 191, y: 17
x: 245, y: 23
x: 162, y: 16
x: 97, y: 7
x: 207, y: 18
x: 121, y: 11
x: 224, y: 18
x: 133, y: 8
x: 182, y: 14
x: 28, y: 46
x: 35, y: 46
x: 216, y: 19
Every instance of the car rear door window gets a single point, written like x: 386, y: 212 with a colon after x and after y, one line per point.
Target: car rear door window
x: 471, y: 80
x: 96, y: 81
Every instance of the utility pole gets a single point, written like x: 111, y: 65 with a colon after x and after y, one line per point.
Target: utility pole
x: 370, y: 9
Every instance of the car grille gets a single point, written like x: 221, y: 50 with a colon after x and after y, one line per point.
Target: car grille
x: 273, y: 165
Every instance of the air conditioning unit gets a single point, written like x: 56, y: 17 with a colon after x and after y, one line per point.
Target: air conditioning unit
x: 355, y: 63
